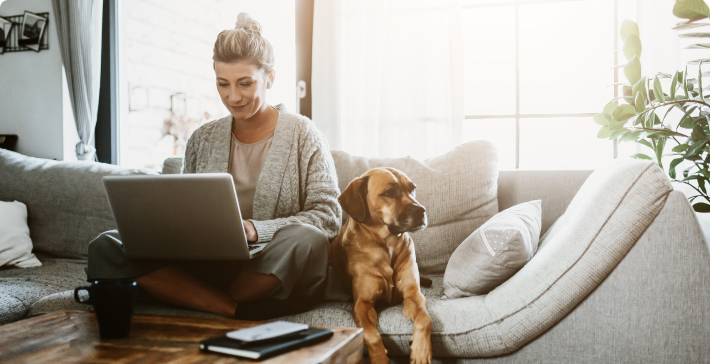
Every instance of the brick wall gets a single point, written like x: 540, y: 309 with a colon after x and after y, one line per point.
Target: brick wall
x: 165, y: 70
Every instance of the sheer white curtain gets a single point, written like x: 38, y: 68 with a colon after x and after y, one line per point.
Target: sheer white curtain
x: 388, y: 76
x: 79, y: 32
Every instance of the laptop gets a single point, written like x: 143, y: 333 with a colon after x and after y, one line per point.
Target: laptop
x: 179, y: 217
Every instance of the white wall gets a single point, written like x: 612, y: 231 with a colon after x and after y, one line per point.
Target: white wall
x: 33, y: 104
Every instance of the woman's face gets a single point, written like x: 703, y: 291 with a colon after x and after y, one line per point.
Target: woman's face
x: 242, y: 87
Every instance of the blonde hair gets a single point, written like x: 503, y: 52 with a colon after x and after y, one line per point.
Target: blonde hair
x: 244, y: 43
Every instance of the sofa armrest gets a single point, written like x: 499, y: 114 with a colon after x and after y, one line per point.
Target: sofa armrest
x: 555, y: 188
x: 653, y: 307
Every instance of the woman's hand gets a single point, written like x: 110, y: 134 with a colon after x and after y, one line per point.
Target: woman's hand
x: 250, y: 230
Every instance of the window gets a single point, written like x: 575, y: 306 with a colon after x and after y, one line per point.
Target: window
x: 166, y: 81
x: 536, y: 71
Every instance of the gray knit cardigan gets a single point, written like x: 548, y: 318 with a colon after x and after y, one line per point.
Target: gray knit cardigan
x: 298, y: 182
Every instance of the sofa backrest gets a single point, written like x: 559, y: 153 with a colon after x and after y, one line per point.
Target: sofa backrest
x: 66, y: 203
x: 555, y: 188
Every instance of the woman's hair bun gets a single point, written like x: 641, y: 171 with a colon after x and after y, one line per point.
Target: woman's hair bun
x: 244, y: 21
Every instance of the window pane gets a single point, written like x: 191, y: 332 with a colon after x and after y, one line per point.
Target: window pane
x: 489, y: 60
x: 484, y: 2
x: 562, y: 143
x: 167, y: 82
x: 501, y: 132
x: 566, y: 56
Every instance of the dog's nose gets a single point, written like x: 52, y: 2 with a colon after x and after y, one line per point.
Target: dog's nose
x: 416, y: 210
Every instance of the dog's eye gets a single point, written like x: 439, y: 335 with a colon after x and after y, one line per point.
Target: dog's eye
x: 389, y: 193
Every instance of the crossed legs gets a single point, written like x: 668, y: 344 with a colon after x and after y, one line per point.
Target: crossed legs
x: 178, y: 287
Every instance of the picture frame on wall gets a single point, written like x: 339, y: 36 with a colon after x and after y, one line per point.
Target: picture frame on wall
x: 6, y: 28
x: 32, y: 31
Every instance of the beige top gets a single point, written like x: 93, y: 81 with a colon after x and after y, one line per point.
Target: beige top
x: 245, y: 164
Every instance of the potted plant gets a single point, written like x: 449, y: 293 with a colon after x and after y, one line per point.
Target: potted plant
x: 669, y: 113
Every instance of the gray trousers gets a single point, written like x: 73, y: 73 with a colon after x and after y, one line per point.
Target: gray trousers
x: 297, y: 256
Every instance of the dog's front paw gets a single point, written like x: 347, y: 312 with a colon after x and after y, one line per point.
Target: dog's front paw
x: 421, y: 352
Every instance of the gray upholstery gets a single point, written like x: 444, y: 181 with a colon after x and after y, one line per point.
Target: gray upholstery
x: 66, y: 204
x: 21, y: 288
x: 653, y: 306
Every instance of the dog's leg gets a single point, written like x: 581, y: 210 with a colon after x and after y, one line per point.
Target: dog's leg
x: 416, y: 311
x: 366, y: 292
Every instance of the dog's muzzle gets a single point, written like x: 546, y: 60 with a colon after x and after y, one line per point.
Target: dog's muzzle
x: 412, y: 218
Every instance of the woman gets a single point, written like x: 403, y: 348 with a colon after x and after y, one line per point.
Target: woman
x: 286, y: 187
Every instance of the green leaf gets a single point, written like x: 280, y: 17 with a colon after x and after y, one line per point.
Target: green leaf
x: 616, y: 124
x: 646, y: 143
x: 641, y: 156
x: 640, y: 105
x: 700, y: 82
x: 604, y: 132
x: 658, y: 90
x: 626, y: 91
x: 686, y: 121
x: 694, y: 35
x: 695, y: 149
x: 701, y: 207
x: 687, y: 170
x: 660, y: 145
x: 632, y: 70
x: 640, y: 86
x: 602, y: 119
x: 630, y: 136
x: 623, y: 112
x: 696, y: 62
x: 632, y: 46
x: 691, y: 9
x: 609, y: 108
x: 688, y: 25
x: 698, y: 133
x: 685, y: 82
x: 698, y: 46
x: 627, y: 28
x: 616, y: 133
x: 674, y: 84
x: 671, y: 167
x: 680, y: 147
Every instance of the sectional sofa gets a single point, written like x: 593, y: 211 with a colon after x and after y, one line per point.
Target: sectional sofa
x: 622, y: 273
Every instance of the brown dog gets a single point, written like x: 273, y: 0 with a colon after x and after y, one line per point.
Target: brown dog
x: 374, y: 256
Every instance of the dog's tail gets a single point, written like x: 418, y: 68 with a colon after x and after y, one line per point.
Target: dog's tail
x: 424, y: 282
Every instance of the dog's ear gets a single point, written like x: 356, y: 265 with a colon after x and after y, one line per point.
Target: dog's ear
x: 353, y: 199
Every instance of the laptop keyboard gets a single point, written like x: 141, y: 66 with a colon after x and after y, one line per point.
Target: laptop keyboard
x: 252, y: 247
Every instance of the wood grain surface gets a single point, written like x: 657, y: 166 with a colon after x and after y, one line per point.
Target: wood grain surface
x: 72, y: 337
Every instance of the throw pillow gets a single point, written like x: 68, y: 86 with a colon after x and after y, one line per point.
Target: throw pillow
x: 494, y: 252
x: 15, y: 242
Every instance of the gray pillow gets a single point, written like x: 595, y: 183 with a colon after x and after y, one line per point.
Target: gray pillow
x: 494, y: 252
x: 66, y: 203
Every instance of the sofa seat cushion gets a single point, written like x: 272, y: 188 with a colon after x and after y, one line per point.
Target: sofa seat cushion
x: 66, y: 203
x: 21, y: 288
x: 458, y: 189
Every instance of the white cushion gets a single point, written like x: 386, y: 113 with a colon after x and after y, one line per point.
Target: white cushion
x: 494, y: 252
x: 15, y: 242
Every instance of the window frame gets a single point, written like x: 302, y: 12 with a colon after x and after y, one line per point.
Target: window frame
x: 517, y: 116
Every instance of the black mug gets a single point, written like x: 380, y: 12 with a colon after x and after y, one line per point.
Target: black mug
x: 113, y: 302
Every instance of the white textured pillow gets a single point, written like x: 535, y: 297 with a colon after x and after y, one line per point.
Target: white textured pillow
x: 494, y: 252
x: 15, y: 242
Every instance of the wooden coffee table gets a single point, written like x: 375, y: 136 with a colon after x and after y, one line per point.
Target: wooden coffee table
x: 72, y: 337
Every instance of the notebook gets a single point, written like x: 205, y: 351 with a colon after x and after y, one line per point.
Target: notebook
x: 265, y: 348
